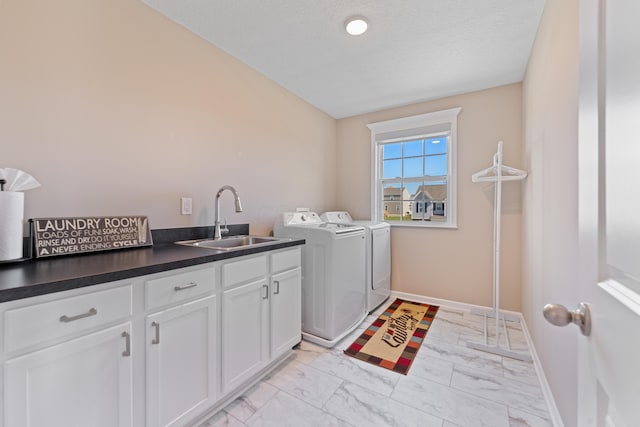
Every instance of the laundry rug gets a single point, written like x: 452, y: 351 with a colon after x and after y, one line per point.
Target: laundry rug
x: 393, y: 339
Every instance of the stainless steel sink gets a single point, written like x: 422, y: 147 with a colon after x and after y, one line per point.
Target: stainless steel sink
x: 233, y: 242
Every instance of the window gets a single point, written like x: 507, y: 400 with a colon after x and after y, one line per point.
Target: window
x: 414, y: 170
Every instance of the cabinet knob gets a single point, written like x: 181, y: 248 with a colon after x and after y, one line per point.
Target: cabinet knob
x: 156, y: 339
x: 127, y: 339
x: 66, y: 319
x: 185, y: 286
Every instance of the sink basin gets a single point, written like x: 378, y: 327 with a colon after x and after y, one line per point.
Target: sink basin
x: 233, y: 242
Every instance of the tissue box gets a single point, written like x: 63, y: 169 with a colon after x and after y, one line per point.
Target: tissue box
x: 11, y: 224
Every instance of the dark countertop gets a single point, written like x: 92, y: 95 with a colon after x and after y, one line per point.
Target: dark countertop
x: 47, y: 275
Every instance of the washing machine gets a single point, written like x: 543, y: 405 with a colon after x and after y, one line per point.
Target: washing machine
x: 333, y: 273
x: 378, y: 256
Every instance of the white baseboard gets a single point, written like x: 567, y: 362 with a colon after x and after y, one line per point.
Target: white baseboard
x: 452, y: 304
x: 546, y: 390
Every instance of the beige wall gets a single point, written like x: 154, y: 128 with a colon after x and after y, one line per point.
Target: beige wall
x: 441, y: 263
x: 550, y: 204
x: 117, y: 110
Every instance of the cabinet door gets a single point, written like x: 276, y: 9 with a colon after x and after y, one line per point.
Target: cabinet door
x: 286, y: 304
x: 245, y: 333
x: 83, y: 382
x: 181, y: 362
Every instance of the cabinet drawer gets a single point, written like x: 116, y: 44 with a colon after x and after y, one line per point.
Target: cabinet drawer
x: 286, y: 260
x: 28, y: 326
x: 244, y: 270
x: 179, y: 287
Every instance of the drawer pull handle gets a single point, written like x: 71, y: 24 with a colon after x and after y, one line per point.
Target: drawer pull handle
x: 156, y: 340
x: 127, y: 340
x: 183, y: 287
x: 276, y: 291
x: 67, y: 319
x: 266, y: 291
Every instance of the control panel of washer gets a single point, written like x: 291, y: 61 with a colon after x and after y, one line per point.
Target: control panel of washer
x: 337, y: 216
x: 297, y: 218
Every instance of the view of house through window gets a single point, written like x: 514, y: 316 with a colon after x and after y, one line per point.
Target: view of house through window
x: 414, y: 181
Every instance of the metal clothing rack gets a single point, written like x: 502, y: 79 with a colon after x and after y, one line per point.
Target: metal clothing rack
x: 497, y: 173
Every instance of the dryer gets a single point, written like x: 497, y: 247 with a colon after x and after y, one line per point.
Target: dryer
x: 333, y: 274
x: 378, y: 256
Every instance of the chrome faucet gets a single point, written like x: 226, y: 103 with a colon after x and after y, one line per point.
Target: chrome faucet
x: 217, y: 235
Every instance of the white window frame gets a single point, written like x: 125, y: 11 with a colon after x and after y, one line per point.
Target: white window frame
x: 416, y: 126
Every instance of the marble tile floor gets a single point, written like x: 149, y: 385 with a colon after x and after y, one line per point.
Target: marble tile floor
x: 448, y: 385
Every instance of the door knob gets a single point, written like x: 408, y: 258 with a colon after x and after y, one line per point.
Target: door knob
x: 559, y: 315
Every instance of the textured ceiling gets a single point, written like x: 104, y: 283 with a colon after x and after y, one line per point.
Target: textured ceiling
x: 415, y: 50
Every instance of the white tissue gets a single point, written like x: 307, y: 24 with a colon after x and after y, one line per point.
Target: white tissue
x: 18, y: 180
x: 11, y: 214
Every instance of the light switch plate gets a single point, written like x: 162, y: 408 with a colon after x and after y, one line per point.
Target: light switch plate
x: 186, y: 205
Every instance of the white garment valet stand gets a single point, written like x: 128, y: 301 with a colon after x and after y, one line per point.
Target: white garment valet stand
x: 497, y: 173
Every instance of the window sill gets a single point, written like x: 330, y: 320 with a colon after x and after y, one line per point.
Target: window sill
x: 412, y: 225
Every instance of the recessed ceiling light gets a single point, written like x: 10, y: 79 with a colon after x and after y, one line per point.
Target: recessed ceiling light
x: 356, y: 25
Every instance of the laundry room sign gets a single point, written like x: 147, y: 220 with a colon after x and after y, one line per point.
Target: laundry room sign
x: 66, y: 236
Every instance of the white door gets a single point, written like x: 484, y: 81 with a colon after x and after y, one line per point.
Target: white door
x: 181, y: 362
x: 245, y: 332
x: 286, y: 320
x: 609, y: 203
x: 78, y: 383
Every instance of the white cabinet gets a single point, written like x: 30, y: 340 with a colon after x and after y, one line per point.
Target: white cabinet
x: 31, y: 325
x: 261, y: 317
x: 180, y: 345
x: 77, y: 383
x: 181, y: 362
x: 67, y: 359
x: 157, y: 350
x: 174, y: 287
x: 285, y: 311
x: 245, y: 318
x: 286, y: 301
